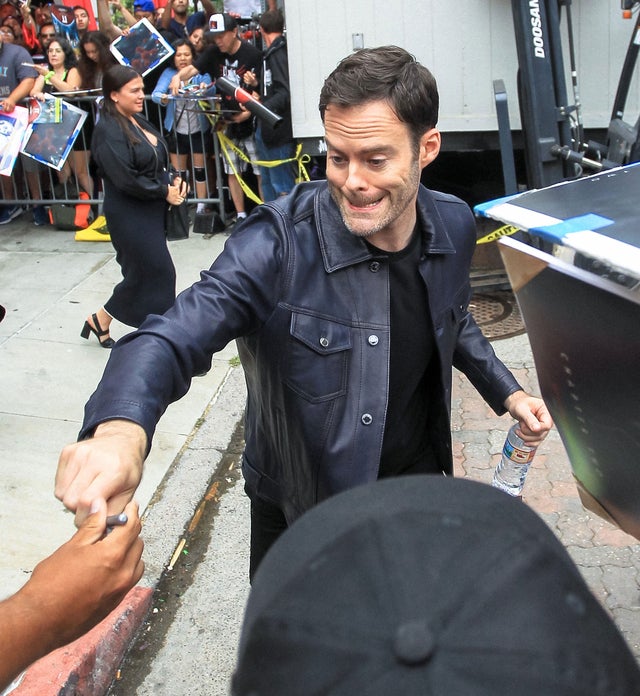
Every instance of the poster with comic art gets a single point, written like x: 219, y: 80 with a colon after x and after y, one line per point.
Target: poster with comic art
x: 50, y: 143
x: 142, y: 49
x: 13, y: 126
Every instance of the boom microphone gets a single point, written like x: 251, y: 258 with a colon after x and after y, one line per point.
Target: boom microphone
x: 243, y: 97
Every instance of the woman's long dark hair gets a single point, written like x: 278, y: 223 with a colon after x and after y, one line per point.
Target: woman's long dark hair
x: 113, y: 81
x: 70, y: 60
x: 91, y: 71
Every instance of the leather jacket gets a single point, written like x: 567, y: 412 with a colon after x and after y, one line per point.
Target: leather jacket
x: 308, y: 303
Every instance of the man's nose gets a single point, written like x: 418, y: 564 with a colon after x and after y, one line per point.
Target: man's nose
x: 355, y: 176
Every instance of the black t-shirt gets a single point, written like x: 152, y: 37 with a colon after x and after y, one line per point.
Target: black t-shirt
x: 406, y: 446
x: 233, y: 67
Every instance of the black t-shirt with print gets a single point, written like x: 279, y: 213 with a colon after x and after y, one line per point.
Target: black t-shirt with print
x: 233, y: 67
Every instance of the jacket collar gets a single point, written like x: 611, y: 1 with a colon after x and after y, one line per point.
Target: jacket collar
x: 340, y: 248
x: 278, y: 42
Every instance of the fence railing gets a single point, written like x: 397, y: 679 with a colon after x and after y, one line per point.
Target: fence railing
x: 33, y: 183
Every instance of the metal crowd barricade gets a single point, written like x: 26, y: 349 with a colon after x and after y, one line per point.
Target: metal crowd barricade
x: 37, y: 184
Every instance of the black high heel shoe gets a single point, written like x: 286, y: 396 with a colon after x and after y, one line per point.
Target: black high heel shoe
x: 98, y: 331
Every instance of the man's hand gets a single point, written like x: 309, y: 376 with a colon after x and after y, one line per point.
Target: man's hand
x: 532, y: 414
x: 7, y: 105
x: 250, y: 79
x: 22, y: 91
x: 71, y: 590
x: 106, y: 467
x: 242, y: 115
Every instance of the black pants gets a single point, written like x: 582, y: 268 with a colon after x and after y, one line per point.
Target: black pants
x: 268, y: 521
x: 267, y: 524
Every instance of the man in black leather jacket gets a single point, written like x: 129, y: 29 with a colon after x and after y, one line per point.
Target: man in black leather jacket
x: 349, y: 299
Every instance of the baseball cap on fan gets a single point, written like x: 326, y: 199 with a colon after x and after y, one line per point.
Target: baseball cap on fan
x: 219, y: 23
x: 426, y: 585
x: 144, y: 6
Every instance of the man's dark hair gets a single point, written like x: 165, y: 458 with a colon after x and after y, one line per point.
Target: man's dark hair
x: 272, y: 22
x: 45, y: 24
x: 386, y: 73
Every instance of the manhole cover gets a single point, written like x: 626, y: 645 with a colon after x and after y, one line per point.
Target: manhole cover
x: 497, y: 314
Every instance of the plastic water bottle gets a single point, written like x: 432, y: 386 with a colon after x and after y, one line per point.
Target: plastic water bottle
x: 516, y: 459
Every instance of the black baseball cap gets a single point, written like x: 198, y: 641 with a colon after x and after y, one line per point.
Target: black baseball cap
x: 426, y: 585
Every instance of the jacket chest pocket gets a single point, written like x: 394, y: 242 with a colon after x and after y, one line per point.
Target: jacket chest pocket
x: 317, y: 360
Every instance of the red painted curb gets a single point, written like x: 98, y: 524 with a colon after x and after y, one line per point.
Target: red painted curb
x: 87, y: 666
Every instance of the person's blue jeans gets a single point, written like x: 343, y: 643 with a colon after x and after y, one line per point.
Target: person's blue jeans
x: 276, y: 181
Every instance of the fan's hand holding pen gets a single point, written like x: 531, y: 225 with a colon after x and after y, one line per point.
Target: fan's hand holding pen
x: 250, y: 79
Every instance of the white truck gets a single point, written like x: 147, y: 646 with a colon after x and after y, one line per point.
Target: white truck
x: 467, y: 45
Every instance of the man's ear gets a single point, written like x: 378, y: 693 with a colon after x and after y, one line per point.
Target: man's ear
x: 429, y: 146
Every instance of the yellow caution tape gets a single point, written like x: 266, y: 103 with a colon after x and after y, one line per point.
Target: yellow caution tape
x: 302, y: 160
x: 505, y: 231
x: 226, y: 144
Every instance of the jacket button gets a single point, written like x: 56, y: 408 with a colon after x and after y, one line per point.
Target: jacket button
x: 374, y: 266
x: 367, y: 419
x: 324, y: 341
x: 373, y: 340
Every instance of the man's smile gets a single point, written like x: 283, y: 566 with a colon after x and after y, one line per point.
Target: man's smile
x: 364, y: 205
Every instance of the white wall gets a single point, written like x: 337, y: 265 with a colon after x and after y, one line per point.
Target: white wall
x: 466, y: 44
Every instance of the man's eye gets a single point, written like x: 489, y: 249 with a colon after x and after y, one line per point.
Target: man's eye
x: 376, y: 162
x: 337, y: 160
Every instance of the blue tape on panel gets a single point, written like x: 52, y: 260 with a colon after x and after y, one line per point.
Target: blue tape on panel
x: 557, y: 232
x: 481, y: 208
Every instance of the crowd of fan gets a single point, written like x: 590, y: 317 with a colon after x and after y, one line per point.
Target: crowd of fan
x: 51, y: 62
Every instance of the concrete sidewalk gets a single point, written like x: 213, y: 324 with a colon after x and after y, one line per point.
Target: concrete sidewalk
x: 49, y: 284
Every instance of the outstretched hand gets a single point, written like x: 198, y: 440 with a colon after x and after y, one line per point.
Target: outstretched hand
x: 108, y: 466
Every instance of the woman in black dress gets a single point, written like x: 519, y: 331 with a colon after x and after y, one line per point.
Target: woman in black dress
x: 132, y: 160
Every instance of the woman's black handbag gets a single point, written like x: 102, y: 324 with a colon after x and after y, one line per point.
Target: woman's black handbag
x: 177, y: 225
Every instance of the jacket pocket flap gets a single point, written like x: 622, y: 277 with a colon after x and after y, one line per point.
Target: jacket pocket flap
x: 321, y: 335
